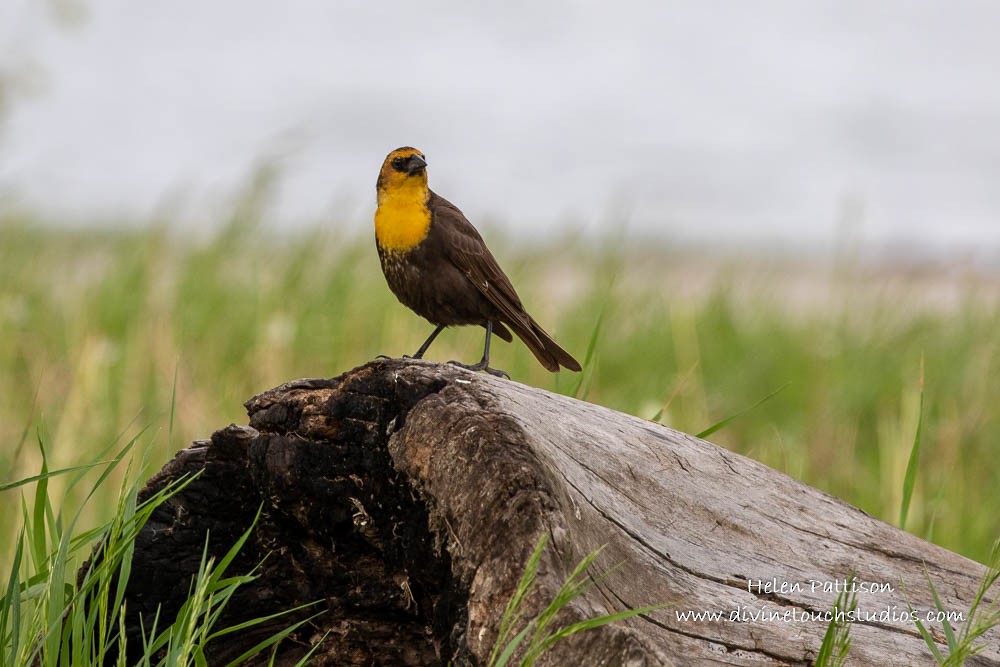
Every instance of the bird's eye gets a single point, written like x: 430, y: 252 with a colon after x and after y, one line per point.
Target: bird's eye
x: 399, y: 163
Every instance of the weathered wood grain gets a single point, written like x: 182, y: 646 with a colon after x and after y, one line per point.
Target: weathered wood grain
x: 407, y: 497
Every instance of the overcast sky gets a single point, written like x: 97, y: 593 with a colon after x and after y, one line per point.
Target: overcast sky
x: 763, y: 121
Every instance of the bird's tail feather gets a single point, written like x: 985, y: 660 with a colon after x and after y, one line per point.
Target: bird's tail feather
x: 542, y: 345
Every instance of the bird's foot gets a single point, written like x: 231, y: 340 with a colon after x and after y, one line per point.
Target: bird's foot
x: 482, y: 366
x: 383, y: 356
x: 496, y: 372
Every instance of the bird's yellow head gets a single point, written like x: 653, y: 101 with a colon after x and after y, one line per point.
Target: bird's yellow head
x: 404, y: 169
x: 402, y: 219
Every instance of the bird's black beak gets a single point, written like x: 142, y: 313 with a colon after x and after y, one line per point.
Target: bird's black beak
x: 415, y: 164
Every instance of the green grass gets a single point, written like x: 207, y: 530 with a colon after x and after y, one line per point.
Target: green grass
x: 836, y: 645
x: 911, y: 466
x: 50, y: 616
x: 964, y: 642
x: 537, y: 635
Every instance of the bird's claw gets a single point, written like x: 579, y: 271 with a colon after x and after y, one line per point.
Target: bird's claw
x: 481, y: 366
x: 496, y: 372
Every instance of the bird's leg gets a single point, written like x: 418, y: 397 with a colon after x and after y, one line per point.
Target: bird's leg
x: 484, y: 363
x: 427, y: 343
x: 423, y: 348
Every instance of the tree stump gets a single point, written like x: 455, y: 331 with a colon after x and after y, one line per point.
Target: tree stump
x: 407, y: 496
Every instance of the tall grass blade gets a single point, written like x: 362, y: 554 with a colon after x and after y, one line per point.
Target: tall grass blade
x: 677, y: 390
x: 927, y: 637
x: 308, y: 656
x: 502, y: 649
x: 910, y: 477
x: 173, y: 404
x: 589, y: 624
x: 949, y: 632
x: 837, y: 639
x: 582, y: 386
x: 39, y: 542
x: 273, y: 639
x: 10, y: 606
x: 728, y: 420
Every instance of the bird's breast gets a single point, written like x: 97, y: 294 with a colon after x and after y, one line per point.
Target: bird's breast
x: 401, y: 225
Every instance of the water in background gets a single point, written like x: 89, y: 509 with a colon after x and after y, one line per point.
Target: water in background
x: 772, y: 123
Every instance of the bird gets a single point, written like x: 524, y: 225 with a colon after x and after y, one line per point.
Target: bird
x: 437, y: 265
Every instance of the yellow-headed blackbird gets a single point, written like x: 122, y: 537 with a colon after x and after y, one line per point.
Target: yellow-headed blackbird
x: 437, y: 264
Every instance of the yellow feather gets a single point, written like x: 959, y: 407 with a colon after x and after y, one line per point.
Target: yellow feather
x: 402, y: 218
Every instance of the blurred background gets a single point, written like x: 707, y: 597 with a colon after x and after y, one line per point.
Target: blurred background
x: 708, y: 201
x: 753, y: 123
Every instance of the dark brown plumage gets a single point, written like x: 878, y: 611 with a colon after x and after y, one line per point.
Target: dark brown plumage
x: 438, y: 265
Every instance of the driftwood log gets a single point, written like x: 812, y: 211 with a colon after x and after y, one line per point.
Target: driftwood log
x: 406, y: 497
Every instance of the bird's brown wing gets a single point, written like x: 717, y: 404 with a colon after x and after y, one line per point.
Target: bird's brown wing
x: 464, y: 247
x: 468, y: 252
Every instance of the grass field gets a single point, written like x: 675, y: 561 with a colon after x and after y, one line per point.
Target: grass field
x: 96, y: 326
